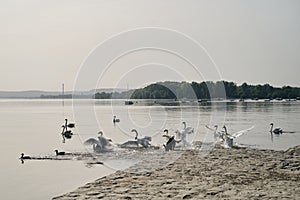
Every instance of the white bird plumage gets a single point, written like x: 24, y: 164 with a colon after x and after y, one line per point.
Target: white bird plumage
x: 143, y: 142
x: 217, y: 134
x: 188, y: 130
x: 276, y: 130
x: 183, y: 133
x: 241, y: 132
x: 228, y: 138
x: 101, y: 144
x: 225, y: 137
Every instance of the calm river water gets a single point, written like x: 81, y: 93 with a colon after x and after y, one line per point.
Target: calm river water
x: 34, y: 127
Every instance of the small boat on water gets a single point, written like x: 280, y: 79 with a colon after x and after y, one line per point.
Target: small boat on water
x: 202, y: 100
x: 128, y: 102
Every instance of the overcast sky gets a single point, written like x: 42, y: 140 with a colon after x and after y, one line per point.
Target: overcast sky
x: 44, y: 43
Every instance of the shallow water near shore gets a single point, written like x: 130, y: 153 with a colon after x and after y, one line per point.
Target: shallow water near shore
x: 34, y: 127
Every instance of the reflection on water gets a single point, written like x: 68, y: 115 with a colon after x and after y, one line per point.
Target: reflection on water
x: 34, y: 127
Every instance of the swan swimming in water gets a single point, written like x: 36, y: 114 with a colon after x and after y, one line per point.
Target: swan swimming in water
x: 276, y: 130
x: 115, y: 120
x: 67, y: 134
x: 101, y: 145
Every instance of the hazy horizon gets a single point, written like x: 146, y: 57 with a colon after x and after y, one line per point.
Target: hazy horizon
x: 107, y: 88
x: 43, y: 44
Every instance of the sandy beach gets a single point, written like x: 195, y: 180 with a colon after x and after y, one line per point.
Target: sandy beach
x: 237, y: 173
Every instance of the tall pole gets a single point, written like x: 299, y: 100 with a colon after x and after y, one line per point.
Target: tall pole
x: 63, y: 94
x: 63, y: 89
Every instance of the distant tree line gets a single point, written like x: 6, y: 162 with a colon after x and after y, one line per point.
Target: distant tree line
x: 204, y: 90
x: 66, y: 96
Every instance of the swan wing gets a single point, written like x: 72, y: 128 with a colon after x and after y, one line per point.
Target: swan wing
x: 103, y: 141
x: 147, y: 138
x: 209, y: 128
x: 189, y: 130
x: 129, y: 143
x: 91, y: 141
x: 239, y: 133
x: 145, y: 143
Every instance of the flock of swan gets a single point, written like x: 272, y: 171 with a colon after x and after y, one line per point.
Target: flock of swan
x: 102, y: 144
x: 225, y: 137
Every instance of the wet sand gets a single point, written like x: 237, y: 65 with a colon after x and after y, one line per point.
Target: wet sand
x: 237, y: 173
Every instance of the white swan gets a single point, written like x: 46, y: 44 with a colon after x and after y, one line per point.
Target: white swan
x: 189, y: 129
x: 276, y: 130
x: 104, y: 141
x: 228, y: 138
x: 218, y: 136
x: 101, y: 145
x: 130, y: 143
x: 145, y: 141
x: 183, y: 133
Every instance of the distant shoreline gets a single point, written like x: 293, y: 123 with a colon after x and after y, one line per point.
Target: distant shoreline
x: 170, y: 90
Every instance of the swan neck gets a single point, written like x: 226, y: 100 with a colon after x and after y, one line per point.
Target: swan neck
x: 271, y: 130
x: 136, y: 134
x: 66, y: 125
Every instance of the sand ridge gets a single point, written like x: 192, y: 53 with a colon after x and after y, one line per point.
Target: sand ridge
x: 240, y: 173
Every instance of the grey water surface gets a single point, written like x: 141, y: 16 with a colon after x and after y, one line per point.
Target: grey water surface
x: 33, y: 126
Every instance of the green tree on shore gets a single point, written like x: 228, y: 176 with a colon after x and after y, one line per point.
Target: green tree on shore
x: 204, y: 90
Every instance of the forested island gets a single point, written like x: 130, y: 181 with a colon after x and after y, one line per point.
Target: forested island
x: 204, y: 90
